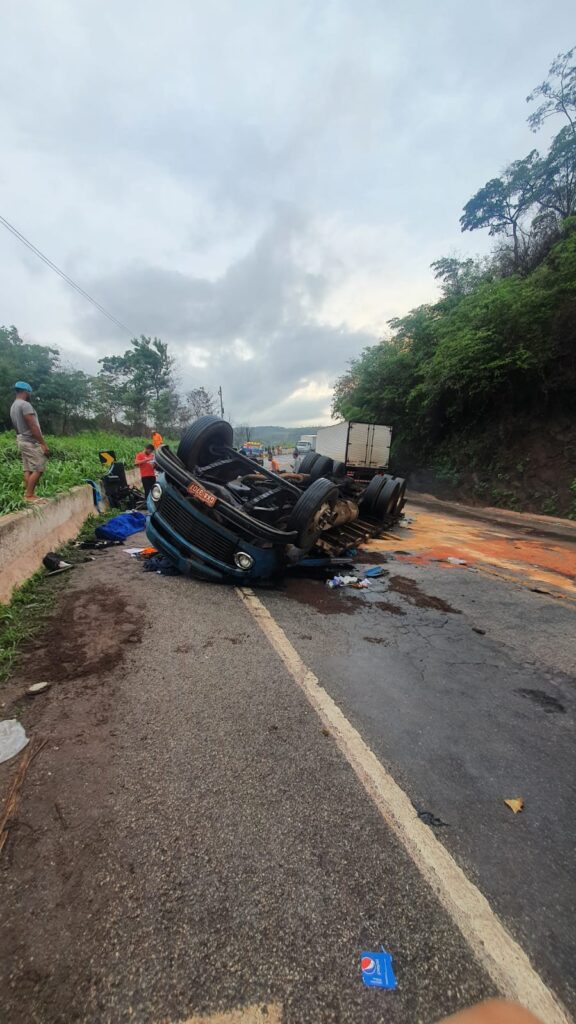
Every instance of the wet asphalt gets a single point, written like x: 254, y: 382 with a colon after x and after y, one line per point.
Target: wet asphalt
x: 222, y: 853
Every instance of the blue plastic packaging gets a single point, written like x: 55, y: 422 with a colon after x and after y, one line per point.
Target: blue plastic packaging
x: 377, y: 970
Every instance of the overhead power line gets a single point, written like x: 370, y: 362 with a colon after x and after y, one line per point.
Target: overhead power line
x: 17, y: 234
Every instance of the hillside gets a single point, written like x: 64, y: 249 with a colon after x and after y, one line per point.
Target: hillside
x: 273, y: 435
x: 480, y: 388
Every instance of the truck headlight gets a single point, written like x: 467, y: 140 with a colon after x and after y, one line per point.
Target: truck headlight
x: 156, y: 493
x: 243, y: 560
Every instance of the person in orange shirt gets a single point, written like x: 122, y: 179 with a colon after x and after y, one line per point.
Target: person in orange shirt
x: 157, y: 439
x: 145, y: 462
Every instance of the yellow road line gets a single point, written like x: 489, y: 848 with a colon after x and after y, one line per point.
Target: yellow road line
x: 493, y: 946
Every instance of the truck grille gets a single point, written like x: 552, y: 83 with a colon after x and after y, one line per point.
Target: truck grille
x: 195, y: 532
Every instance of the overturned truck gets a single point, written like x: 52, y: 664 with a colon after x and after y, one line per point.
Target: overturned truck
x: 219, y: 518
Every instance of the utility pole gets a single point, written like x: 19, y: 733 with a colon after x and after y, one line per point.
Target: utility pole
x: 221, y: 404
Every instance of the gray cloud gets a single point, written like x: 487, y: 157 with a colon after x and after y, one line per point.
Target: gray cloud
x: 263, y: 184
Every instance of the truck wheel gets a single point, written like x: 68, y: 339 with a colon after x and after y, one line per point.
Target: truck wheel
x: 307, y: 462
x: 311, y: 513
x: 387, y: 500
x: 201, y: 438
x: 401, y: 497
x: 338, y: 471
x: 322, y: 467
x: 367, y: 502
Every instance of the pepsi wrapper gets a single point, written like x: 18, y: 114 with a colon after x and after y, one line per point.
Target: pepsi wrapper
x: 377, y: 970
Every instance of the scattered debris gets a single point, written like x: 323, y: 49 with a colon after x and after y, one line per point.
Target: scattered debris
x: 515, y: 804
x: 37, y: 688
x: 53, y: 563
x: 539, y: 590
x: 430, y: 819
x: 376, y: 570
x: 376, y: 640
x: 325, y: 732
x: 377, y: 970
x: 14, y: 792
x: 122, y: 526
x: 476, y: 629
x: 342, y: 581
x: 99, y: 545
x: 162, y: 565
x: 13, y: 739
x: 456, y: 561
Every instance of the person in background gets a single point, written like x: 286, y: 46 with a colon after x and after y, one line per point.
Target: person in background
x: 157, y: 439
x: 296, y: 460
x: 145, y: 462
x: 31, y: 444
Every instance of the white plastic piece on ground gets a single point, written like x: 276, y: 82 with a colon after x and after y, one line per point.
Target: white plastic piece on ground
x: 13, y: 739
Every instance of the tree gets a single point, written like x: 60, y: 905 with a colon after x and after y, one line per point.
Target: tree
x: 556, y: 175
x: 142, y: 379
x: 558, y: 93
x: 64, y: 396
x: 199, y: 402
x: 244, y: 433
x: 20, y: 360
x: 458, y: 277
x: 503, y: 202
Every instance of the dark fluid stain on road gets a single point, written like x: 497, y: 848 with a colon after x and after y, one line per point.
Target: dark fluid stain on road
x: 320, y: 597
x: 387, y: 606
x: 550, y: 705
x: 410, y: 590
x: 364, y: 557
x: 376, y: 640
x: 86, y: 636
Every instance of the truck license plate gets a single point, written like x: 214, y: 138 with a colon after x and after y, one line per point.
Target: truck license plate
x: 195, y: 491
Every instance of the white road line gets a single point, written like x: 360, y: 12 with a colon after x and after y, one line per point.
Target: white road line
x: 271, y: 1014
x: 493, y: 946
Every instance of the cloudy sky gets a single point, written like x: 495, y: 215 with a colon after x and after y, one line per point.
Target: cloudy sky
x: 262, y: 183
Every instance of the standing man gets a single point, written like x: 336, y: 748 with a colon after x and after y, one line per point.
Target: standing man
x: 157, y: 439
x: 31, y: 444
x: 145, y: 462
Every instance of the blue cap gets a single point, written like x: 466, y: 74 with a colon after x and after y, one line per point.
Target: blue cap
x: 21, y: 385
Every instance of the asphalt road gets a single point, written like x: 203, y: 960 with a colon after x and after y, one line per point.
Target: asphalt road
x: 192, y: 840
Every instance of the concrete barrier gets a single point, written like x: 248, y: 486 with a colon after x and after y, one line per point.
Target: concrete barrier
x: 26, y: 536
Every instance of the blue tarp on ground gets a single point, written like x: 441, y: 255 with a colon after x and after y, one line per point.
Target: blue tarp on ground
x: 121, y: 526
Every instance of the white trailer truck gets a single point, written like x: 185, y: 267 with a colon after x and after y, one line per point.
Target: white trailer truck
x: 362, y: 447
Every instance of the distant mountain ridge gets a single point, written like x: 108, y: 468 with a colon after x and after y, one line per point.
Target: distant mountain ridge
x: 273, y: 435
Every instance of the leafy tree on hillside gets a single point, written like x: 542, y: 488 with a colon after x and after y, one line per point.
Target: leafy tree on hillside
x: 502, y: 203
x: 558, y: 92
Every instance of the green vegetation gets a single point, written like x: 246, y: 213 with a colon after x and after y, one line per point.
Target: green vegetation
x: 498, y: 350
x: 73, y: 460
x: 130, y: 394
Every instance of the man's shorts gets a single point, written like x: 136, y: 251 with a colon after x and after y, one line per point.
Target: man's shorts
x: 33, y: 458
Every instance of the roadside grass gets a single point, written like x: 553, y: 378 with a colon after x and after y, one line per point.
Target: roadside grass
x: 33, y: 603
x: 72, y: 461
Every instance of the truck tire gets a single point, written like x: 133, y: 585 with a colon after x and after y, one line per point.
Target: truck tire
x: 309, y: 511
x: 338, y: 471
x: 401, y: 497
x: 322, y: 467
x: 387, y: 500
x: 367, y: 501
x: 201, y: 438
x: 307, y: 462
